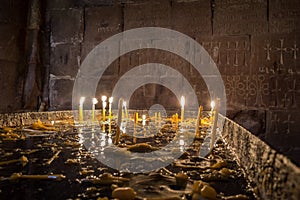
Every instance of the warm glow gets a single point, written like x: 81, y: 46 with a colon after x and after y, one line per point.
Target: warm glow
x: 144, y: 117
x: 82, y: 99
x: 104, y: 104
x: 212, y: 105
x: 103, y: 98
x: 95, y: 101
x: 110, y: 100
x: 182, y: 101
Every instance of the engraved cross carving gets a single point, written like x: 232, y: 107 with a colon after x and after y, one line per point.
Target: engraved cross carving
x: 274, y: 121
x: 281, y: 50
x: 294, y: 50
x: 288, y: 122
x: 268, y: 49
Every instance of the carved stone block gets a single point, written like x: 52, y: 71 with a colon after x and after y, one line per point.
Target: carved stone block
x: 73, y: 32
x: 284, y: 16
x: 101, y: 23
x: 65, y: 60
x: 192, y: 18
x: 146, y: 13
x: 240, y: 17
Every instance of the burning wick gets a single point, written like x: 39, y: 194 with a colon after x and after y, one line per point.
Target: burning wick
x: 103, y: 98
x: 95, y: 101
x: 182, y: 102
x: 81, y: 101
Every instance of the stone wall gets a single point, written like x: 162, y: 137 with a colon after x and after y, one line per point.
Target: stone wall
x: 13, y: 17
x: 274, y: 176
x: 254, y: 43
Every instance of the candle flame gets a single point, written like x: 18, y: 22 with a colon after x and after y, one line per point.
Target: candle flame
x: 182, y: 101
x: 103, y: 98
x: 110, y: 100
x: 82, y: 99
x: 95, y: 101
x: 212, y: 104
x: 144, y: 117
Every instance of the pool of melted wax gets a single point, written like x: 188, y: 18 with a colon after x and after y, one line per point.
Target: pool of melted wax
x: 86, y: 176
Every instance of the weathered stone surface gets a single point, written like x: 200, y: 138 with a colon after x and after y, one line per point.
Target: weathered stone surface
x: 240, y: 17
x: 66, y: 26
x: 13, y: 12
x: 11, y: 43
x: 231, y: 54
x: 276, y: 58
x: 10, y: 87
x: 147, y: 13
x: 252, y: 120
x: 274, y: 175
x: 101, y: 23
x: 192, y: 18
x: 64, y: 59
x: 284, y: 16
x: 61, y: 93
x: 276, y: 54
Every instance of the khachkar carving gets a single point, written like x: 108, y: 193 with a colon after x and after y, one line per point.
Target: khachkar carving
x: 231, y: 54
x: 249, y: 91
x: 282, y: 58
x: 282, y: 122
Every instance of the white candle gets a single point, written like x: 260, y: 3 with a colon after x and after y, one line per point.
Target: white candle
x: 103, y: 98
x: 125, y: 109
x: 182, y: 102
x: 144, y: 120
x: 215, y: 124
x: 81, y: 101
x: 212, y: 105
x: 95, y: 101
x: 110, y: 100
x: 119, y: 121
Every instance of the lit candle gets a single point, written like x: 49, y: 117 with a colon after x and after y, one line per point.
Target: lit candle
x: 212, y: 105
x: 144, y: 120
x: 198, y: 122
x: 136, y: 117
x: 182, y: 102
x: 110, y: 100
x: 159, y: 118
x: 120, y: 105
x: 95, y: 101
x: 81, y: 101
x: 125, y: 109
x: 103, y: 98
x: 215, y: 124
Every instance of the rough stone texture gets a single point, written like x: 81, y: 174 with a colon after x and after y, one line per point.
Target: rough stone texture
x: 284, y: 16
x: 25, y: 119
x: 274, y: 175
x: 147, y: 13
x: 66, y: 26
x: 61, y: 92
x: 196, y: 14
x: 240, y: 17
x: 64, y: 59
